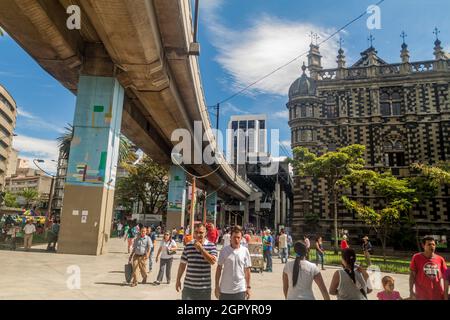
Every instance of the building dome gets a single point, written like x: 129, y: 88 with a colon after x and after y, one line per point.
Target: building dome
x: 303, y: 86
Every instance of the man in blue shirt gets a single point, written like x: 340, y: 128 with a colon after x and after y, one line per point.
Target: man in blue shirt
x: 139, y: 256
x: 267, y: 248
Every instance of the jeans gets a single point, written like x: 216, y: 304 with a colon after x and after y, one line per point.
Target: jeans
x: 284, y: 255
x: 319, y: 258
x: 195, y: 294
x: 268, y: 259
x: 232, y: 296
x: 164, y: 264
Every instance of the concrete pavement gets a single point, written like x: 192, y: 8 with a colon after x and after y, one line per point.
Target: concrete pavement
x: 39, y: 275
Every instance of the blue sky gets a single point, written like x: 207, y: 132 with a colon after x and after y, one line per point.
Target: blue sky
x: 241, y: 40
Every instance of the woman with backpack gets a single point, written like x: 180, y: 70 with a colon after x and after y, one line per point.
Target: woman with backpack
x: 350, y: 282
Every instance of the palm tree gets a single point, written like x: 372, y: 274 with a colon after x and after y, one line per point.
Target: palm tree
x: 30, y: 196
x: 127, y: 151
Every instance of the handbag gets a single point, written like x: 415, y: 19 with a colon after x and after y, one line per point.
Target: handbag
x: 171, y: 252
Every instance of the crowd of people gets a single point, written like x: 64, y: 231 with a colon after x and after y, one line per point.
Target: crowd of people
x: 429, y: 277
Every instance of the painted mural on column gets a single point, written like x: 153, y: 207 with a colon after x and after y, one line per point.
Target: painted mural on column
x: 177, y: 188
x: 211, y: 206
x: 95, y: 145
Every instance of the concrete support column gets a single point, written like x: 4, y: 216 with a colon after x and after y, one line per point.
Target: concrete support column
x: 211, y: 207
x: 283, y: 208
x: 277, y: 205
x: 176, y: 198
x: 246, y: 219
x: 91, y: 173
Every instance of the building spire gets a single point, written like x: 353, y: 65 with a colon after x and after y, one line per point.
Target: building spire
x: 314, y: 57
x: 439, y: 53
x: 341, y: 57
x: 404, y: 53
x: 370, y: 39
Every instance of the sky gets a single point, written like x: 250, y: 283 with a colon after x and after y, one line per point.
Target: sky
x: 241, y: 41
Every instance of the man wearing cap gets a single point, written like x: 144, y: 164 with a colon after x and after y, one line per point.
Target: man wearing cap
x: 367, y: 249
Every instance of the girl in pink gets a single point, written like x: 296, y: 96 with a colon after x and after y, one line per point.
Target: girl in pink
x: 389, y: 293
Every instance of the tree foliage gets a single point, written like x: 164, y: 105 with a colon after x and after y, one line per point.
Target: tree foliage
x: 334, y: 167
x: 10, y: 200
x: 398, y: 199
x: 30, y: 195
x: 146, y: 182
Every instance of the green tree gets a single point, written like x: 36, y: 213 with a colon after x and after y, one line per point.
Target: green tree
x: 30, y: 195
x: 398, y: 199
x: 332, y: 166
x: 10, y: 200
x: 146, y: 182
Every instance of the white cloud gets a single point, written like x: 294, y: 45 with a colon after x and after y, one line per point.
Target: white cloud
x: 281, y: 115
x: 31, y: 121
x: 33, y: 148
x: 249, y: 54
x: 231, y: 108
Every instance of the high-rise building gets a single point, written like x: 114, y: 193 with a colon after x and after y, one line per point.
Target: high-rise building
x: 8, y: 115
x: 399, y: 111
x: 247, y: 140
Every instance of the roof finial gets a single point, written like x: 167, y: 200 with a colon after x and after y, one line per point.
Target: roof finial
x: 340, y: 42
x: 304, y: 67
x: 403, y: 36
x: 311, y: 36
x: 370, y: 39
x: 436, y: 32
x: 316, y: 37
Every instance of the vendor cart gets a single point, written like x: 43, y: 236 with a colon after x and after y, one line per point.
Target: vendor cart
x: 255, y: 247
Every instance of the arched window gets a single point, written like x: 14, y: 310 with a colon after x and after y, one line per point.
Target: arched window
x: 394, y: 153
x: 391, y: 102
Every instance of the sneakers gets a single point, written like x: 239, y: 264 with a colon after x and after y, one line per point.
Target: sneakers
x: 134, y: 284
x: 156, y: 283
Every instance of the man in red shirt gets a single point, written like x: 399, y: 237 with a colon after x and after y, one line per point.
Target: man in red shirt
x: 427, y: 271
x: 212, y: 234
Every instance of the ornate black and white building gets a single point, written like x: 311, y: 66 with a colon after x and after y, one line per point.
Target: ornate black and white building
x: 400, y: 112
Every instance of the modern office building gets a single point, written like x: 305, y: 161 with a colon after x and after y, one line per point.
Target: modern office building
x: 246, y: 139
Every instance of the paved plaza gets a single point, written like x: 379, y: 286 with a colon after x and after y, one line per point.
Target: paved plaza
x: 39, y: 275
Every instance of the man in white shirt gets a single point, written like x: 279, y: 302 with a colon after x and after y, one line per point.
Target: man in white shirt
x: 234, y: 269
x: 226, y: 238
x: 28, y: 230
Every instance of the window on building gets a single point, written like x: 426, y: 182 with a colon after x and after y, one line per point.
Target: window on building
x: 394, y: 154
x: 243, y: 125
x: 390, y: 102
x: 262, y: 124
x: 234, y: 125
x: 306, y: 135
x: 251, y: 124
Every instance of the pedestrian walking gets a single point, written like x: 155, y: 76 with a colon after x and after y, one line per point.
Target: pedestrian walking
x: 344, y: 243
x: 119, y: 229
x: 308, y: 245
x: 167, y: 249
x: 367, y: 250
x: 212, y: 233
x: 139, y: 256
x: 152, y: 235
x: 427, y: 269
x: 181, y: 234
x: 388, y: 293
x: 198, y: 257
x: 350, y: 282
x: 132, y: 233
x: 320, y: 252
x: 28, y: 231
x: 53, y: 235
x: 446, y: 283
x: 290, y: 243
x: 298, y: 276
x: 226, y: 238
x: 283, y: 246
x: 233, y: 269
x: 267, y: 249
